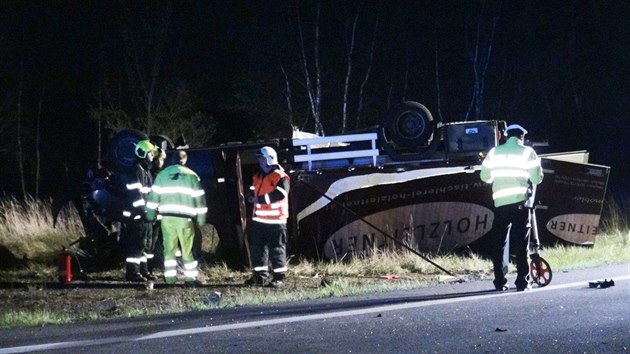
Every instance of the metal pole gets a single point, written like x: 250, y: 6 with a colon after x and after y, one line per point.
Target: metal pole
x: 377, y: 228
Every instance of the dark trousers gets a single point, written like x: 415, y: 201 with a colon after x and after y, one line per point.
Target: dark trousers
x: 510, y: 237
x: 268, y: 242
x: 134, y: 239
x: 154, y: 248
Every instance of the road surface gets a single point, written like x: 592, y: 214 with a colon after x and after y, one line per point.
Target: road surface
x: 564, y: 317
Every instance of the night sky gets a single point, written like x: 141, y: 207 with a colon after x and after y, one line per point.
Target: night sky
x: 558, y: 68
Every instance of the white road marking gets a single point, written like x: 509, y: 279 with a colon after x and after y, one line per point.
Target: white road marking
x: 282, y: 320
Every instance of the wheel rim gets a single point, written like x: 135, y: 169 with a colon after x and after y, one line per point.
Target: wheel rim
x: 540, y: 271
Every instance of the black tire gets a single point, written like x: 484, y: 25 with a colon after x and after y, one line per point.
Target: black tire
x: 163, y: 142
x: 121, y: 147
x: 409, y: 132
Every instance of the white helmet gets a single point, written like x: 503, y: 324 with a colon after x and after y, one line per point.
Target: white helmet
x: 270, y: 155
x: 515, y: 127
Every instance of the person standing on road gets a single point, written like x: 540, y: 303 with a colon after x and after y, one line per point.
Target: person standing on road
x: 511, y: 167
x: 267, y: 233
x: 178, y: 197
x: 137, y: 228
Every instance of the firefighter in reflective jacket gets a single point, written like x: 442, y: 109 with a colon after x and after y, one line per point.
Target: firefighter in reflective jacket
x: 137, y: 228
x: 511, y: 167
x: 267, y: 232
x: 180, y: 201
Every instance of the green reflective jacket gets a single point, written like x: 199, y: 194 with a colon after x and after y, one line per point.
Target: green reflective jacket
x: 176, y: 192
x: 508, y: 167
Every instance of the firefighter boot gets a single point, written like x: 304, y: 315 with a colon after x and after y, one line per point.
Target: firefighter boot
x: 144, y: 271
x: 257, y: 279
x: 133, y: 273
x: 277, y: 281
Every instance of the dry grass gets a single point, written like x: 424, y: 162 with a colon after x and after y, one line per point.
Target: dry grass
x: 26, y: 228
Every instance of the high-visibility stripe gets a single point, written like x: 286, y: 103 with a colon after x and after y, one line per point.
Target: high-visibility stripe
x: 509, y: 173
x: 139, y: 202
x: 170, y: 273
x: 507, y: 161
x: 133, y: 260
x: 270, y: 221
x: 152, y: 205
x: 509, y: 192
x: 260, y: 269
x: 178, y: 190
x: 282, y: 191
x: 533, y: 163
x: 191, y: 273
x: 199, y: 193
x: 270, y: 205
x: 134, y: 186
x: 267, y: 212
x: 126, y: 213
x: 170, y: 263
x: 174, y: 208
x: 280, y: 270
x: 190, y: 265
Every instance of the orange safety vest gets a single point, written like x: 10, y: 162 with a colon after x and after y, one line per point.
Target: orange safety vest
x: 270, y: 213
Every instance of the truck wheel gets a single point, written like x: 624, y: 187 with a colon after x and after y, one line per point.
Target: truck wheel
x: 121, y: 146
x: 162, y: 141
x: 408, y: 133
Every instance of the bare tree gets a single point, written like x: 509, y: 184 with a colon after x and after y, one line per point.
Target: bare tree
x: 314, y: 93
x: 145, y: 55
x: 287, y: 95
x: 179, y: 116
x: 480, y: 63
x: 20, y: 149
x: 349, y: 51
x: 366, y: 77
x: 38, y: 176
x: 437, y: 73
x: 159, y: 102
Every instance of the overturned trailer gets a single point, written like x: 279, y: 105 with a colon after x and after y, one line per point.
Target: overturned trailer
x: 412, y: 178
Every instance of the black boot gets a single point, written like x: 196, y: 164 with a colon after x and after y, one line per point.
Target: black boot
x: 133, y: 273
x: 277, y: 281
x: 144, y: 271
x: 257, y: 279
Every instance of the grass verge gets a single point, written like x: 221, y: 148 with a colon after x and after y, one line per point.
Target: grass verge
x: 26, y: 229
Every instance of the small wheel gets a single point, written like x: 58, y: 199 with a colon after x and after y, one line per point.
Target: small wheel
x: 540, y: 271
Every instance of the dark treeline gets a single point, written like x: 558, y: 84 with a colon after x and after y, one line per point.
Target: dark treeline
x: 215, y: 71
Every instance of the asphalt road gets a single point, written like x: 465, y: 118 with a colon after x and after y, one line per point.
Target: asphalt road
x: 564, y: 317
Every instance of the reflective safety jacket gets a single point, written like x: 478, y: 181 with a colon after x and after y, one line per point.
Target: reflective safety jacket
x: 509, y: 167
x: 176, y: 192
x: 272, y: 197
x: 138, y: 186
